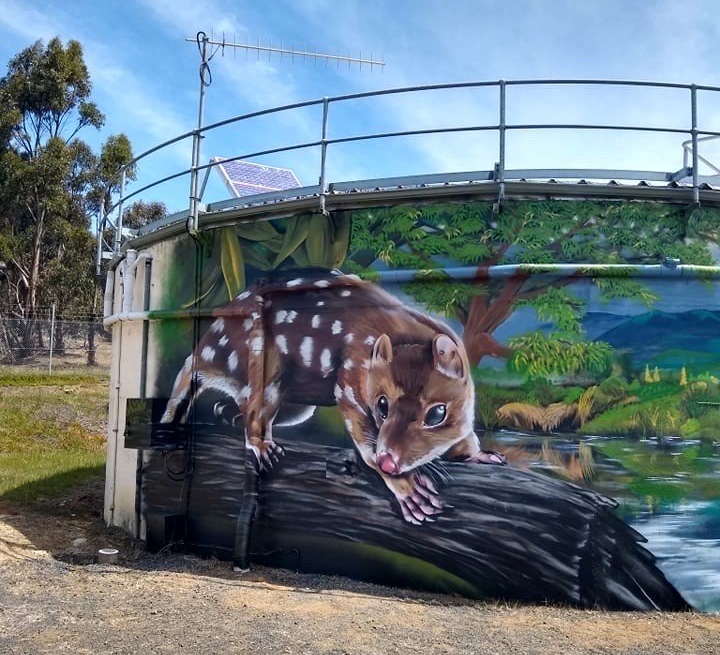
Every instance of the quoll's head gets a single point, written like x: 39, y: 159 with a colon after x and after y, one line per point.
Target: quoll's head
x: 421, y: 398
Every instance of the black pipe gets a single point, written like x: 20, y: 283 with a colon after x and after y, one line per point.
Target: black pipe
x: 248, y: 507
x: 143, y: 394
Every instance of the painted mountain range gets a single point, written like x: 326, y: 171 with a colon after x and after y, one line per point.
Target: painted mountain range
x: 663, y: 339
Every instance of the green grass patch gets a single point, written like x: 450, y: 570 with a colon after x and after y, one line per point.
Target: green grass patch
x: 52, y: 434
x: 18, y: 377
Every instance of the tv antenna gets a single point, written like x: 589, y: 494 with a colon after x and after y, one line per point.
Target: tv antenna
x: 208, y: 47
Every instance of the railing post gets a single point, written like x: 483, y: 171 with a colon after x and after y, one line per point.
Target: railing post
x: 323, y: 155
x: 501, y: 156
x: 694, y: 135
x: 99, y: 237
x: 119, y: 222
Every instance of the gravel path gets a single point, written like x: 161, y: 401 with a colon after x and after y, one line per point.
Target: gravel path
x: 53, y: 599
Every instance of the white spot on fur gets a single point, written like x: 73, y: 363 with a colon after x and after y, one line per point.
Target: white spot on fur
x: 306, y: 350
x: 272, y: 393
x: 348, y: 364
x: 223, y: 341
x: 345, y: 293
x: 292, y: 315
x: 322, y: 283
x: 370, y: 340
x: 218, y: 326
x: 348, y: 425
x: 320, y: 303
x: 315, y: 321
x: 208, y: 354
x: 256, y: 343
x: 232, y: 361
x: 349, y: 337
x: 247, y: 324
x: 326, y: 361
x: 281, y: 343
x: 245, y: 392
x: 280, y: 317
x: 244, y: 295
x: 337, y: 327
x: 294, y: 283
x: 338, y: 393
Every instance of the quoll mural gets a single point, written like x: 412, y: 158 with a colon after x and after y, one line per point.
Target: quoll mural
x: 362, y: 355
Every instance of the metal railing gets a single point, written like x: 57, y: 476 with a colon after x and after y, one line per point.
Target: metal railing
x: 500, y: 173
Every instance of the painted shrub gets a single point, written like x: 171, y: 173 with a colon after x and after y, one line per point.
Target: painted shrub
x: 581, y: 336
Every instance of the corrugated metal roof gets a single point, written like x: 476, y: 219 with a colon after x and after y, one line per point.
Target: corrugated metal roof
x: 245, y: 178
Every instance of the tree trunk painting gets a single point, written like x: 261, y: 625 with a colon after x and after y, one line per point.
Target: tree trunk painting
x: 508, y: 534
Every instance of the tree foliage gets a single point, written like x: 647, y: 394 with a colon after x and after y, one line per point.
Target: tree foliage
x: 51, y: 183
x: 452, y: 248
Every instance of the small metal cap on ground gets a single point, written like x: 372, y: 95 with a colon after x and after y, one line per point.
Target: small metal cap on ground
x: 108, y: 556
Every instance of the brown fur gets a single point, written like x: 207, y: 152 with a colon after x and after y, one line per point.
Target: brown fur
x: 347, y: 342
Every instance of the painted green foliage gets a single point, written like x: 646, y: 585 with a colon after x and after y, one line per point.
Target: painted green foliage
x: 438, y: 241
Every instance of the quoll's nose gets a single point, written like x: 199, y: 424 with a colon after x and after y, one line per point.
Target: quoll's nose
x: 387, y: 463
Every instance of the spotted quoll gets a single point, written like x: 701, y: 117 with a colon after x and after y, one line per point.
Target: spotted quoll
x: 400, y: 378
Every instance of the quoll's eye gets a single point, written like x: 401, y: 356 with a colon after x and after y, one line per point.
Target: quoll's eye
x: 435, y: 415
x: 382, y: 407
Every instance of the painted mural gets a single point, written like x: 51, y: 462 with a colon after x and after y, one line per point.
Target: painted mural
x: 523, y: 405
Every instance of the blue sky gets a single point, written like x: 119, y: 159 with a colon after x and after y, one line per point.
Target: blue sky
x: 145, y: 77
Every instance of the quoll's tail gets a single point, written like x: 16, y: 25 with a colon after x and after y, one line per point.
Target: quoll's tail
x: 176, y: 410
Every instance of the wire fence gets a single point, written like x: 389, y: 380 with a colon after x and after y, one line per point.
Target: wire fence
x: 53, y: 342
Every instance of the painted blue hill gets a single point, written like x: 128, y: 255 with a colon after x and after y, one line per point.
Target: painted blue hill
x: 666, y: 339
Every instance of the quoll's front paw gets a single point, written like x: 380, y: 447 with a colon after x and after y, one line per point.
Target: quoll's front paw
x: 267, y: 454
x: 421, y: 501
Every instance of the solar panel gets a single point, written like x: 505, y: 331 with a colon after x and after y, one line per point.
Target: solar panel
x: 246, y: 178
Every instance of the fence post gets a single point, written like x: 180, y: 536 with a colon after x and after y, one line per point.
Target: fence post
x: 52, y: 338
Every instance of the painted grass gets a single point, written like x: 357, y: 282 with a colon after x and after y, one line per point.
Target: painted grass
x: 51, y: 433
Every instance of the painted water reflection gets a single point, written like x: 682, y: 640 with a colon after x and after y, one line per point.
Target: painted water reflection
x: 668, y: 489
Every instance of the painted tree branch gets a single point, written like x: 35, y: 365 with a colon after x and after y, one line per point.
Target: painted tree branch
x: 507, y: 533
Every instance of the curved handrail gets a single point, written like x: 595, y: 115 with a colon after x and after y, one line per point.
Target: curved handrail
x: 501, y: 127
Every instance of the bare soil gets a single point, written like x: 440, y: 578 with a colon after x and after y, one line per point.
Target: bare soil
x: 55, y: 598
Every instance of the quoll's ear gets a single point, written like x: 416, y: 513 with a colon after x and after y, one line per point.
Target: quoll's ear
x: 382, y: 351
x: 447, y: 358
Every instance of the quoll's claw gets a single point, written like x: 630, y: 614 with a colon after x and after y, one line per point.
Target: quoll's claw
x: 422, y: 503
x: 267, y: 454
x: 488, y: 457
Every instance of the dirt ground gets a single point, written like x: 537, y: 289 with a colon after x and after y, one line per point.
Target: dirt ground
x: 54, y: 598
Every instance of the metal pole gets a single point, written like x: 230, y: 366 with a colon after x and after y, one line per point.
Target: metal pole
x: 100, y: 227
x: 197, y: 136
x: 52, y: 338
x: 323, y: 154
x: 694, y: 135
x: 502, y: 128
x: 119, y: 222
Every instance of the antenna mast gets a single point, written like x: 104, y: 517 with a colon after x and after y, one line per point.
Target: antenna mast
x: 208, y: 47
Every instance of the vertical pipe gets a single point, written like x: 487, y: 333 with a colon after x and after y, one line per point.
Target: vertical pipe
x: 197, y: 136
x: 251, y: 492
x: 501, y: 156
x: 118, y: 225
x: 694, y: 135
x: 143, y: 394
x: 52, y: 338
x: 323, y: 154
